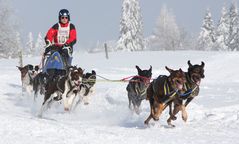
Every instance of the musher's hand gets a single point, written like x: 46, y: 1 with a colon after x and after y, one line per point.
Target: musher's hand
x: 66, y: 45
x: 47, y: 50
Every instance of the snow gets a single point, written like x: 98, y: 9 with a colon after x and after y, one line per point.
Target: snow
x: 213, y: 115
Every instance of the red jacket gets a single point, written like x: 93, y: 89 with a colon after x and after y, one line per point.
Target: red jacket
x: 52, y: 34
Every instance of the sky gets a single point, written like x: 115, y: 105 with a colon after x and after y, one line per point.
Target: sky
x: 98, y: 20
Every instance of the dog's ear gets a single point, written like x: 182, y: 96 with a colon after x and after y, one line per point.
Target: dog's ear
x: 150, y: 69
x: 79, y: 69
x: 189, y: 63
x: 20, y: 68
x: 168, y: 69
x: 69, y: 68
x: 202, y: 64
x: 137, y: 67
x: 181, y: 71
x: 36, y: 68
x: 30, y: 67
x: 93, y: 72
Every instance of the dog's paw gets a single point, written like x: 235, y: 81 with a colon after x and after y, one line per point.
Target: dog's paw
x: 174, y: 118
x: 184, y: 116
x: 146, y: 123
x: 171, y: 126
x: 66, y: 109
x: 184, y: 113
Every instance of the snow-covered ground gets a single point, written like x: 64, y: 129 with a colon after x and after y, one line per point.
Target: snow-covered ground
x: 213, y: 115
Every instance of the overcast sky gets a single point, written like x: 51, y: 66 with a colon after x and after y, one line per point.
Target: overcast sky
x: 99, y: 19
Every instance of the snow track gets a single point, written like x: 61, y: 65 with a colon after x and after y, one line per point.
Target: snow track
x: 213, y: 115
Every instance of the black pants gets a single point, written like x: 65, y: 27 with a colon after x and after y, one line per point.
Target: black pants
x: 66, y: 57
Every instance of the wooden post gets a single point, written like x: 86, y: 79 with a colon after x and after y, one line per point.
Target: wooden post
x: 106, y: 51
x: 21, y: 65
x: 20, y: 58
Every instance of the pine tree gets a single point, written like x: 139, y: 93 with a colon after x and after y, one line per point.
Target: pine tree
x: 206, y: 37
x: 39, y: 46
x: 222, y: 32
x: 233, y: 28
x: 131, y: 27
x: 30, y: 48
x: 19, y: 43
x: 8, y: 28
x: 166, y: 35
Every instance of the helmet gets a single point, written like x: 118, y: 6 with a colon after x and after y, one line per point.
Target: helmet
x: 64, y: 12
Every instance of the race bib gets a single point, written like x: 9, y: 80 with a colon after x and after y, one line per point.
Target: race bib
x: 63, y: 34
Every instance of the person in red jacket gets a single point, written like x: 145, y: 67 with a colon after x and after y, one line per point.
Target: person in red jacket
x: 62, y: 36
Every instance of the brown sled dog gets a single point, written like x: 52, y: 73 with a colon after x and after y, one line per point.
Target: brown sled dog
x: 193, y: 76
x: 162, y: 91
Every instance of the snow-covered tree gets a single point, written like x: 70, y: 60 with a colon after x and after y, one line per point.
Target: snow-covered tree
x: 222, y: 31
x: 131, y: 27
x: 8, y: 28
x: 30, y: 48
x: 233, y: 28
x: 206, y: 37
x: 20, y: 50
x: 166, y: 35
x: 39, y: 46
x: 18, y: 42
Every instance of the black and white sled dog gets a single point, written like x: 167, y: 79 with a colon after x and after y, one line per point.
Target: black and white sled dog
x: 28, y: 73
x: 63, y: 87
x: 87, y: 88
x: 137, y: 88
x: 39, y: 83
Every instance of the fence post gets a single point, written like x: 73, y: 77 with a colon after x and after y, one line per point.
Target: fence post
x: 106, y: 51
x: 20, y: 58
x: 21, y: 65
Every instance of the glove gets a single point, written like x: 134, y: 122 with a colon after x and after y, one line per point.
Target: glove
x: 51, y: 48
x: 65, y: 45
x: 47, y: 49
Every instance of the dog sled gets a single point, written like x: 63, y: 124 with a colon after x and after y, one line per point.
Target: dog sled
x: 55, y: 61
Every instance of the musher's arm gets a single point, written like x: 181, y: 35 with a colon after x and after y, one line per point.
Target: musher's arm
x: 72, y: 38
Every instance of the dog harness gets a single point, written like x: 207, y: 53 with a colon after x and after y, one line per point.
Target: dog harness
x: 188, y: 88
x: 169, y: 93
x: 141, y: 86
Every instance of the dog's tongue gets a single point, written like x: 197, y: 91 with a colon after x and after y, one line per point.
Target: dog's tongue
x: 180, y: 86
x: 198, y: 82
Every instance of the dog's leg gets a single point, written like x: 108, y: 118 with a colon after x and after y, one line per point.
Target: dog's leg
x: 176, y: 109
x: 78, y: 101
x: 148, y: 119
x: 130, y: 101
x: 71, y: 99
x: 35, y: 90
x: 44, y: 104
x: 170, y: 115
x: 159, y: 111
x: 64, y: 97
x: 173, y: 117
x: 86, y: 99
x: 151, y: 101
x: 184, y: 113
x: 136, y: 109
